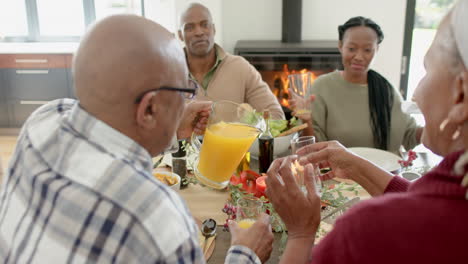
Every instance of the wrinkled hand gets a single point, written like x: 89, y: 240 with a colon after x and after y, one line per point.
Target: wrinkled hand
x: 331, y: 154
x: 300, y: 212
x: 258, y: 237
x: 297, y: 102
x: 194, y: 119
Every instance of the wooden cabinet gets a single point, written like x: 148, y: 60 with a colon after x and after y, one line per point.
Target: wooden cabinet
x: 31, y: 80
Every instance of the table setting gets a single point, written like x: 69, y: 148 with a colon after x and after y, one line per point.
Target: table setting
x: 220, y: 178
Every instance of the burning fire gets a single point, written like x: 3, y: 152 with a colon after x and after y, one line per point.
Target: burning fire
x: 283, y: 93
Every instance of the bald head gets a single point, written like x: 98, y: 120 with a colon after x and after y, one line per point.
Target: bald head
x: 125, y: 57
x: 119, y: 58
x: 194, y: 7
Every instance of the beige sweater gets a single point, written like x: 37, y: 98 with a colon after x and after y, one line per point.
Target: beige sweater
x: 341, y: 112
x: 237, y: 80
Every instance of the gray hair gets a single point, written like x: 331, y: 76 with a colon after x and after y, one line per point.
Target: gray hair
x: 450, y: 47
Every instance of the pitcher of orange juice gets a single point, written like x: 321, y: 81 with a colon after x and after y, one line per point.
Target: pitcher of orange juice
x: 232, y: 128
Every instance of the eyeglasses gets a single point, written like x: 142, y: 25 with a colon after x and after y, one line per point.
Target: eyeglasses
x: 187, y: 93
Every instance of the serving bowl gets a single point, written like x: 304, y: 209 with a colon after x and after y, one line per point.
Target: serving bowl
x: 281, y: 146
x: 176, y: 185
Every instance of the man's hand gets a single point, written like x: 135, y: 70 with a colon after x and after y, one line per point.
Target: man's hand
x: 194, y: 119
x: 258, y: 237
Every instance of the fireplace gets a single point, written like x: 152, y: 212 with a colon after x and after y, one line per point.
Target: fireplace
x: 275, y: 60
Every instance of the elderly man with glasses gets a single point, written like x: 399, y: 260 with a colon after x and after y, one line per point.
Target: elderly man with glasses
x: 80, y: 187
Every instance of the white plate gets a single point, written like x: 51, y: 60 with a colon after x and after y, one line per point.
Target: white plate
x: 384, y: 159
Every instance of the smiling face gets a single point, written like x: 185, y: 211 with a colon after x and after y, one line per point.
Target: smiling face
x: 358, y: 48
x: 197, y: 31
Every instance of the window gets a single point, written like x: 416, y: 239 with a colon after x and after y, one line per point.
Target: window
x: 427, y: 16
x: 13, y: 18
x: 57, y: 20
x: 111, y: 7
x: 60, y: 18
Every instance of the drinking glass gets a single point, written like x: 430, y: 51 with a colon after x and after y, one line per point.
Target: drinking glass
x: 300, y: 84
x: 248, y: 210
x: 298, y: 170
x: 232, y: 128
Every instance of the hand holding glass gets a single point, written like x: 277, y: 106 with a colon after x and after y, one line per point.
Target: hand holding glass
x: 300, y: 84
x: 298, y: 170
x: 247, y: 211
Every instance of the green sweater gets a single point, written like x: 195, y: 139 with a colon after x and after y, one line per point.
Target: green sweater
x: 341, y: 112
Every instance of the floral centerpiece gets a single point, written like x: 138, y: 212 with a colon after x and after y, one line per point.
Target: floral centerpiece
x: 250, y: 184
x: 408, y: 162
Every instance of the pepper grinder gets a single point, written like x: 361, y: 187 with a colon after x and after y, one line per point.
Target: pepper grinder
x: 179, y: 164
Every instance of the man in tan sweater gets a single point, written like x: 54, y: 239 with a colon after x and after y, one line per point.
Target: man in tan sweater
x: 222, y: 76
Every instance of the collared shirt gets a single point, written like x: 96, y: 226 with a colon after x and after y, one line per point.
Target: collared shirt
x: 209, y: 75
x: 79, y: 191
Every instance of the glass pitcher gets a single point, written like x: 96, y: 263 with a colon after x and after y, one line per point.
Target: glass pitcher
x: 231, y: 129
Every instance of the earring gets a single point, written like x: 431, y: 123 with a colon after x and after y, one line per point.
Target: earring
x: 455, y: 134
x: 443, y: 124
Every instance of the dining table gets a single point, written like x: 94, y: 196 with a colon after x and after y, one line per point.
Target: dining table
x: 204, y: 203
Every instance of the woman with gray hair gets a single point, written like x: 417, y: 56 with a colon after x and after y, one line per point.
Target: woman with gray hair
x: 422, y: 222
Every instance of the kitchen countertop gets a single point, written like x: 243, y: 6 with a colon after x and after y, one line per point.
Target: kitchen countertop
x: 38, y: 47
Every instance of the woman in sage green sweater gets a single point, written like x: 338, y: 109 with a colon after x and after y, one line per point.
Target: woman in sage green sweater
x: 358, y: 106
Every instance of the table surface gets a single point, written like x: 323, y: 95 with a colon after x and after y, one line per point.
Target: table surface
x: 206, y: 203
x: 223, y: 242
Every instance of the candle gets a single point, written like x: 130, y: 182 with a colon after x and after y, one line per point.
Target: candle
x: 261, y: 185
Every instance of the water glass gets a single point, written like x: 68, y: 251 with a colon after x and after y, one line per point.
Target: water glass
x: 300, y: 84
x: 248, y: 210
x: 298, y: 170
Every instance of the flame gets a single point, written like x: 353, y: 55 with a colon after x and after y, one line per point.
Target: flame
x: 298, y: 171
x: 283, y: 95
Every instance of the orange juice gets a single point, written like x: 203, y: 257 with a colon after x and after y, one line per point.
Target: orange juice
x: 245, y: 223
x: 224, y: 145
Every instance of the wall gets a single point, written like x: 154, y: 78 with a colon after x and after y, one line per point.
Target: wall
x: 166, y: 12
x: 261, y: 19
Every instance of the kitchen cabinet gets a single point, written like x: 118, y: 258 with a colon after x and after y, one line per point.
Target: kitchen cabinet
x: 30, y: 81
x: 36, y: 84
x: 71, y: 88
x: 4, y: 113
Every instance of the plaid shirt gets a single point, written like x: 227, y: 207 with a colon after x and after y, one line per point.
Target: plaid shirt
x: 78, y: 191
